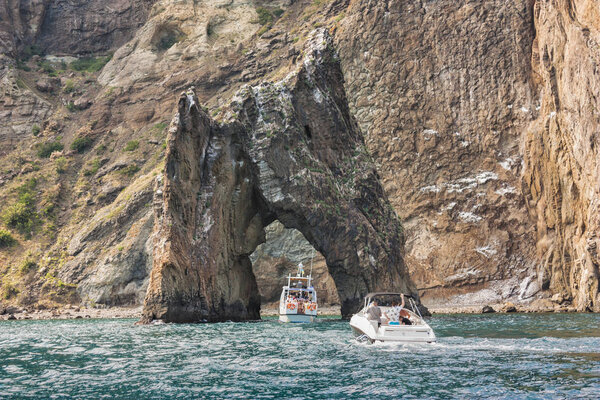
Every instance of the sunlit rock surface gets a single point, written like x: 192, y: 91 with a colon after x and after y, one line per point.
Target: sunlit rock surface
x: 561, y: 150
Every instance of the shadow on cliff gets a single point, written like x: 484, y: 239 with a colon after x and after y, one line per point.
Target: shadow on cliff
x: 287, y: 151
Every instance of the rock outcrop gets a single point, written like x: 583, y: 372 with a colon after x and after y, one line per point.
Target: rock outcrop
x: 561, y: 150
x: 287, y: 151
x: 20, y: 108
x: 443, y: 91
x: 69, y: 27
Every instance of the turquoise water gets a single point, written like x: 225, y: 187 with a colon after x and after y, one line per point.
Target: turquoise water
x: 528, y: 356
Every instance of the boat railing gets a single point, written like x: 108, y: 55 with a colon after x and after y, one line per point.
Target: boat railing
x: 414, y: 307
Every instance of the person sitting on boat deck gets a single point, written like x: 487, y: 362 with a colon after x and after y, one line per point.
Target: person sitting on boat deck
x: 394, y: 316
x: 374, y: 313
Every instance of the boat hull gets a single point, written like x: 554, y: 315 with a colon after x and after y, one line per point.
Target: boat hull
x: 361, y: 326
x: 296, y: 318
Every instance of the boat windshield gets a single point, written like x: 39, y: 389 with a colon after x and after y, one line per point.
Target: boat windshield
x: 387, y: 299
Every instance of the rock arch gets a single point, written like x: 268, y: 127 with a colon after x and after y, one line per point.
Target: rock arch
x: 224, y: 182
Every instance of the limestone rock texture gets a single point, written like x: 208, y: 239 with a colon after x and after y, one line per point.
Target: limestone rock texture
x: 443, y: 90
x: 69, y: 27
x: 561, y: 149
x: 287, y: 151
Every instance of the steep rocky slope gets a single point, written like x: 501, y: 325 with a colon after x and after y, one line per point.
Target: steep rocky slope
x: 69, y: 27
x: 481, y: 117
x: 90, y: 216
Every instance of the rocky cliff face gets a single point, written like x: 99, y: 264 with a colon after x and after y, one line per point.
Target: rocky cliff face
x: 69, y: 27
x: 287, y: 151
x: 561, y: 149
x: 444, y: 120
x: 480, y: 116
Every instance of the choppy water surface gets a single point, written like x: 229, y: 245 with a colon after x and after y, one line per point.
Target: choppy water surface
x: 477, y: 356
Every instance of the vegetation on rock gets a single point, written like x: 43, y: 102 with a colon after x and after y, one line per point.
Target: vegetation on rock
x: 90, y: 64
x: 132, y: 145
x: 35, y: 129
x: 80, y: 144
x: 22, y: 215
x: 6, y: 239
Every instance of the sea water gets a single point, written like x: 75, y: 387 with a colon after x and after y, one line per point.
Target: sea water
x: 510, y: 356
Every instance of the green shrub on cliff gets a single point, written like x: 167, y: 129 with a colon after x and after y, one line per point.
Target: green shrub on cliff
x: 27, y: 265
x: 47, y: 67
x: 130, y: 170
x: 35, y: 129
x: 9, y: 291
x: 26, y: 191
x: 6, y: 239
x: 94, y: 167
x: 132, y: 145
x: 81, y: 144
x: 44, y: 150
x: 69, y: 86
x: 90, y: 64
x: 29, y: 51
x: 266, y: 18
x: 22, y: 215
x: 61, y: 164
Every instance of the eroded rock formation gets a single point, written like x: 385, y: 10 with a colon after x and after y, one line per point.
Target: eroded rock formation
x: 561, y: 149
x: 69, y: 27
x: 280, y: 255
x: 481, y: 117
x: 443, y: 91
x: 287, y: 151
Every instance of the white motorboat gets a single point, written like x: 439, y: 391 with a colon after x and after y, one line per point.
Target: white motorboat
x: 298, y: 302
x: 411, y: 328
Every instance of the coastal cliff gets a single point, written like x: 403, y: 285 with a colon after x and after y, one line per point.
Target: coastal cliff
x: 480, y: 117
x: 560, y: 150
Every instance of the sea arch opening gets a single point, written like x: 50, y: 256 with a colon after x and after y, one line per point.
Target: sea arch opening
x: 272, y: 261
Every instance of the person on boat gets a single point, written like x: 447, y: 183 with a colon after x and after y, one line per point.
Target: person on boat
x: 394, y: 314
x: 374, y: 313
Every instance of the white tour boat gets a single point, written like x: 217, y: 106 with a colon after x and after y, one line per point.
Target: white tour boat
x: 298, y: 302
x: 411, y: 328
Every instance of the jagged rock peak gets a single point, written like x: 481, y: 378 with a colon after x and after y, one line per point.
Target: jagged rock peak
x: 287, y: 151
